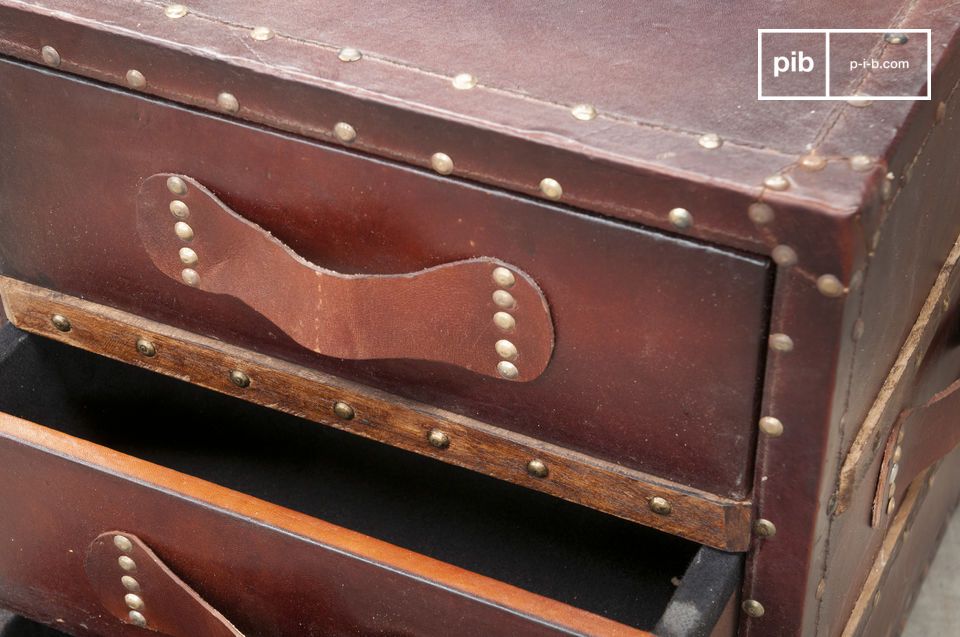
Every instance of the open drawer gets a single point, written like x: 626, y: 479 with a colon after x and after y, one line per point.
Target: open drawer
x: 288, y: 528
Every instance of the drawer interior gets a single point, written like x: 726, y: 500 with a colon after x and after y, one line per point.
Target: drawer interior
x: 547, y: 546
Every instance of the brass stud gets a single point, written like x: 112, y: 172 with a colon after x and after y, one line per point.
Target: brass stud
x: 859, y: 102
x: 813, y: 162
x: 780, y: 343
x: 891, y: 505
x: 438, y: 439
x: 897, y: 453
x: 137, y: 618
x: 349, y: 54
x: 861, y: 163
x: 123, y: 543
x: 584, y: 112
x: 239, y: 379
x: 503, y: 277
x: 551, y: 188
x: 179, y: 209
x: 894, y: 470
x: 175, y: 11
x: 464, y: 81
x: 345, y: 132
x: 188, y: 256
x: 130, y: 584
x: 752, y: 608
x: 50, y: 55
x: 148, y: 349
x: 504, y: 321
x: 135, y: 79
x: 710, y: 141
x: 895, y: 38
x: 507, y: 370
x: 537, y: 468
x: 190, y: 277
x: 776, y: 182
x: 784, y: 256
x: 61, y: 322
x: 771, y: 426
x: 506, y: 350
x: 228, y: 102
x: 343, y: 410
x: 660, y: 506
x: 127, y: 563
x: 261, y: 34
x: 183, y: 231
x: 829, y: 285
x: 764, y: 528
x: 133, y: 601
x: 760, y: 213
x: 176, y: 185
x: 504, y: 299
x: 680, y: 217
x: 441, y: 163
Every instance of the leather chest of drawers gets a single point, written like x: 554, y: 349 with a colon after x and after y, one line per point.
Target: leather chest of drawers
x: 343, y: 320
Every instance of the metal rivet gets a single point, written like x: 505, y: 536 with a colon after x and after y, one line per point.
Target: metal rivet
x: 508, y: 370
x: 343, y: 410
x: 771, y: 426
x: 135, y: 79
x: 897, y: 453
x: 345, y: 132
x: 438, y: 439
x: 179, y: 209
x: 830, y: 285
x: 175, y: 11
x: 146, y: 348
x: 176, y: 185
x: 784, y: 256
x: 506, y: 350
x: 349, y: 54
x: 121, y: 542
x: 441, y: 163
x: 776, y: 182
x: 551, y: 188
x: 60, y: 322
x: 188, y: 256
x: 660, y: 506
x: 190, y: 277
x: 894, y: 470
x: 261, y: 33
x: 765, y: 528
x: 941, y: 112
x: 50, y: 55
x: 821, y: 587
x: 464, y: 81
x: 126, y: 563
x: 183, y: 231
x: 504, y: 321
x: 584, y: 112
x: 228, y: 102
x: 504, y: 299
x: 752, y: 607
x: 813, y: 162
x: 859, y: 102
x: 537, y: 468
x: 760, y: 213
x: 780, y: 342
x: 891, y: 505
x: 895, y: 38
x: 137, y: 618
x: 503, y: 277
x: 710, y: 141
x: 861, y: 163
x: 680, y: 217
x: 887, y: 187
x: 133, y: 601
x: 130, y: 584
x: 239, y: 378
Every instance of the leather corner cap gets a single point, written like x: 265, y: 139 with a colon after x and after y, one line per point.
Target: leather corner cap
x: 137, y: 588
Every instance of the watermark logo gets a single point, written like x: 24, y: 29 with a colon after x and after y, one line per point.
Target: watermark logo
x: 841, y: 64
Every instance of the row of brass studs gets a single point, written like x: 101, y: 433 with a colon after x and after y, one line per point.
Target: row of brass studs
x: 133, y: 599
x: 505, y: 280
x: 184, y: 231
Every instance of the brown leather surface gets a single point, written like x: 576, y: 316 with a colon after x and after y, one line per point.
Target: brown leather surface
x: 169, y: 606
x: 443, y: 314
x: 643, y: 320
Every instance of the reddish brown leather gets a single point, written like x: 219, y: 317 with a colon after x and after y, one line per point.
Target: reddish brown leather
x: 170, y: 606
x: 444, y: 313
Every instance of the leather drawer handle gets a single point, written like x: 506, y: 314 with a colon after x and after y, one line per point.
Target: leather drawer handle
x: 481, y: 314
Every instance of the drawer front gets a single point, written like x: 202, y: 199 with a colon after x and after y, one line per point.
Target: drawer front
x: 658, y: 340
